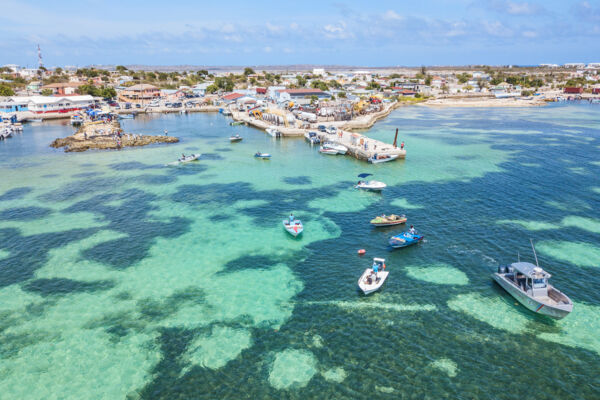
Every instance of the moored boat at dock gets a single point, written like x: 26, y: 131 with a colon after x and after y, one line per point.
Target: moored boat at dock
x: 329, y: 151
x: 339, y: 148
x: 274, y: 132
x: 312, y: 137
x: 381, y: 158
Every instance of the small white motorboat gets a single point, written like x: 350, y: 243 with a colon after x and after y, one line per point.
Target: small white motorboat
x: 35, y: 120
x: 373, y: 278
x: 312, y: 137
x: 294, y: 227
x: 186, y: 159
x: 76, y: 120
x: 126, y: 116
x: 381, y: 158
x: 273, y: 132
x: 339, y: 148
x: 226, y: 112
x: 374, y: 186
x: 264, y: 156
x: 528, y: 284
x: 329, y: 151
x: 235, y: 138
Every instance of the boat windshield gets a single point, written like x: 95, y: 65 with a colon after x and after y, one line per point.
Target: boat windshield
x: 539, y: 283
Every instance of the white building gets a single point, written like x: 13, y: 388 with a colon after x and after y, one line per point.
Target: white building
x: 48, y: 104
x: 575, y: 65
x: 319, y: 71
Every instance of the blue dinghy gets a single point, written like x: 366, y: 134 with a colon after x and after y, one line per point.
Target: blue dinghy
x: 405, y: 239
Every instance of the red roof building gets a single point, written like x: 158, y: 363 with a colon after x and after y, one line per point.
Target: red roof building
x: 261, y: 90
x: 573, y: 90
x: 231, y: 97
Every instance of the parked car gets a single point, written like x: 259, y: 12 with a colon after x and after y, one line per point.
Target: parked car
x: 138, y: 105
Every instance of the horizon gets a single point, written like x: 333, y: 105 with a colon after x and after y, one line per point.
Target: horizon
x: 497, y: 33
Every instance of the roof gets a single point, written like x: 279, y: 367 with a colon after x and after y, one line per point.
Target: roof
x: 301, y: 91
x: 528, y: 269
x: 63, y: 85
x: 50, y: 100
x: 142, y: 86
x: 233, y: 96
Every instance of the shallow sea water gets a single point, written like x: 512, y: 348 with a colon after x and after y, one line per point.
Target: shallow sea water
x: 123, y: 278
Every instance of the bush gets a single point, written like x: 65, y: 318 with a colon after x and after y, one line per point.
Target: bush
x: 6, y: 90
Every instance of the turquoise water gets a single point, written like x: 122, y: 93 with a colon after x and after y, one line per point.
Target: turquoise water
x: 123, y: 278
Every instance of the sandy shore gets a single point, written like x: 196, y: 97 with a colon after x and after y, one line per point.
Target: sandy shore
x: 483, y: 102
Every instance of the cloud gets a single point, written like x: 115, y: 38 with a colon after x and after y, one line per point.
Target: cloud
x: 391, y: 15
x: 337, y: 31
x: 516, y: 8
x: 587, y: 12
x: 497, y: 29
x: 529, y: 34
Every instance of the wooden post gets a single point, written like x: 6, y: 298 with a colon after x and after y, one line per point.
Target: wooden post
x: 396, y: 138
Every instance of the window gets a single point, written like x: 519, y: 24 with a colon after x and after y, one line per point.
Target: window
x: 539, y: 283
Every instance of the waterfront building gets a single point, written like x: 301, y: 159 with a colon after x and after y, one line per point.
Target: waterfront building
x: 13, y: 104
x: 47, y: 104
x: 300, y: 96
x: 140, y: 93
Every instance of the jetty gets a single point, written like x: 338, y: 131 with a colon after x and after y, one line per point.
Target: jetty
x: 106, y: 135
x: 359, y: 146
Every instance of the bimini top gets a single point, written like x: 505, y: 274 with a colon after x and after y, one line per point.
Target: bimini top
x: 530, y: 270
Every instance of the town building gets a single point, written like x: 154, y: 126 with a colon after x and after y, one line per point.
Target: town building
x: 140, y: 93
x: 63, y: 88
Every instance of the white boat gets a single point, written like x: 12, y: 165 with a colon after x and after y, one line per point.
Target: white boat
x: 329, y: 151
x: 76, y: 120
x: 35, y: 120
x: 332, y: 130
x: 186, y: 159
x: 294, y: 227
x: 126, y: 116
x: 273, y: 132
x: 235, y: 138
x: 264, y: 156
x: 381, y: 158
x: 339, y: 148
x: 227, y: 112
x: 374, y: 186
x: 312, y: 137
x: 528, y: 284
x: 371, y: 281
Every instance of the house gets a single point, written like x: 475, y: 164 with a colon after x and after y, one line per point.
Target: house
x: 246, y: 103
x: 63, y: 88
x: 172, y: 94
x: 232, y: 97
x: 200, y: 88
x: 140, y: 93
x: 34, y: 86
x: 596, y: 90
x: 261, y: 90
x: 438, y: 81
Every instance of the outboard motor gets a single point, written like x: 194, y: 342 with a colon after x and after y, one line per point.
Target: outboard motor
x: 510, y: 269
x: 501, y: 269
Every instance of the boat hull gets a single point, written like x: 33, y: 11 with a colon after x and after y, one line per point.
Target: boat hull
x: 296, y: 229
x: 404, y: 240
x: 530, y: 303
x: 382, y: 160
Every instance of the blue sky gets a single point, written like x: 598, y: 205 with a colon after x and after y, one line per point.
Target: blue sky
x: 371, y: 33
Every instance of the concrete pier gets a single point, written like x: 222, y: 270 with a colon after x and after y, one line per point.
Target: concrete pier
x: 359, y: 146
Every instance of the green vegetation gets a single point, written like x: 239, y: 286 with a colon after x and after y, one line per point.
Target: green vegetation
x: 316, y: 84
x: 463, y: 78
x: 6, y: 90
x: 301, y: 81
x: 373, y: 86
x: 248, y: 71
x: 428, y: 80
x: 96, y: 91
x: 46, y: 92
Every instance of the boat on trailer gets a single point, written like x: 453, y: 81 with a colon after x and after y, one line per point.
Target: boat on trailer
x: 371, y: 281
x: 528, y: 284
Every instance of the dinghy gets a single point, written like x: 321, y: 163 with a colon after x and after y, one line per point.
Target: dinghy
x: 236, y: 123
x: 294, y: 227
x: 374, y: 186
x: 405, y: 239
x: 273, y: 132
x: 265, y: 156
x: 388, y: 220
x: 235, y: 138
x: 373, y: 278
x: 381, y: 158
x: 340, y: 149
x: 186, y: 159
x: 528, y: 284
x: 326, y: 150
